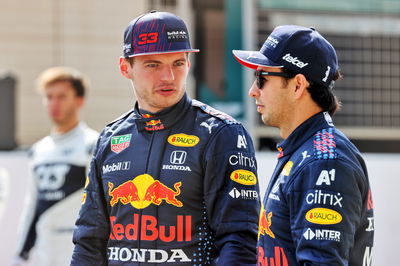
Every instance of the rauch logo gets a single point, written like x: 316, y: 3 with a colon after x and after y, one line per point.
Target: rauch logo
x: 183, y: 140
x: 244, y: 177
x: 323, y: 216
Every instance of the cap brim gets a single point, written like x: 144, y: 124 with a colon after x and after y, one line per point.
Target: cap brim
x: 253, y: 59
x: 167, y: 52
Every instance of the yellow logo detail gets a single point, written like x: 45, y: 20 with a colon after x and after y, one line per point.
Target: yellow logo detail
x: 323, y: 216
x: 288, y: 167
x: 183, y: 140
x: 244, y: 177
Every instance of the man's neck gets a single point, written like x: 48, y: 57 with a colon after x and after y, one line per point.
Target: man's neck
x: 297, y: 118
x: 65, y: 127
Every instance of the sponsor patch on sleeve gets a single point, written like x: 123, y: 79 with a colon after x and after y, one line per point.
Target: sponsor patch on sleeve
x: 244, y: 177
x: 323, y: 216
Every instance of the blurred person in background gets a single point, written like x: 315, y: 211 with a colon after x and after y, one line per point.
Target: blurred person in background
x: 317, y: 209
x: 59, y: 167
x: 173, y: 181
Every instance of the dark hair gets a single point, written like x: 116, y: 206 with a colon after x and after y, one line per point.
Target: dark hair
x: 323, y: 96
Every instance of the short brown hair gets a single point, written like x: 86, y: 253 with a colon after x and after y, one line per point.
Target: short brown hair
x: 61, y: 73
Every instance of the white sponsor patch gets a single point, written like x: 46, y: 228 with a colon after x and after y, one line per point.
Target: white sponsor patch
x: 294, y: 61
x: 325, y: 177
x: 322, y: 234
x: 118, y: 166
x: 147, y: 255
x: 241, y: 142
x: 320, y: 197
x: 243, y: 193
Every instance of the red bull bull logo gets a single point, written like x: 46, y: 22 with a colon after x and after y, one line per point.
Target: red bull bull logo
x: 265, y: 224
x: 154, y: 125
x: 142, y: 191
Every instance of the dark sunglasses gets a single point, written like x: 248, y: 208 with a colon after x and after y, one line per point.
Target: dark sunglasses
x: 260, y: 80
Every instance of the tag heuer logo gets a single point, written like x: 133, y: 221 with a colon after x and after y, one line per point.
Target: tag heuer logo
x: 120, y: 143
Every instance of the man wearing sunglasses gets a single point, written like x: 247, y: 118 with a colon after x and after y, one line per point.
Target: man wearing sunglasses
x: 318, y: 208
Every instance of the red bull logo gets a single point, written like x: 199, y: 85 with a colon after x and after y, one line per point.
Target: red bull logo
x: 147, y: 227
x: 244, y: 177
x: 142, y: 191
x: 279, y: 258
x: 153, y: 122
x: 265, y: 224
x: 154, y: 125
x: 183, y: 140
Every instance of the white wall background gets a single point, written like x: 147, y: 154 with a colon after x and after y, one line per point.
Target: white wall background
x: 383, y: 173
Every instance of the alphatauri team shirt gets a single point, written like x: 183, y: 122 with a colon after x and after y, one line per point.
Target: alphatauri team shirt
x: 58, y: 163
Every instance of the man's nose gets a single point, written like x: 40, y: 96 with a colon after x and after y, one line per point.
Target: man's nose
x: 167, y: 73
x: 254, y: 92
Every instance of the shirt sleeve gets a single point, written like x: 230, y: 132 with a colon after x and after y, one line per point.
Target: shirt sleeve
x: 325, y: 203
x: 232, y: 195
x: 92, y: 226
x: 28, y: 221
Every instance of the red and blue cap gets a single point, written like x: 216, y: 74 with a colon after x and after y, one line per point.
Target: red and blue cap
x: 156, y: 33
x: 299, y: 49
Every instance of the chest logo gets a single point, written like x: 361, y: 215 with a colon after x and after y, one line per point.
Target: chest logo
x: 120, y: 143
x: 183, y: 140
x: 211, y: 123
x: 142, y: 191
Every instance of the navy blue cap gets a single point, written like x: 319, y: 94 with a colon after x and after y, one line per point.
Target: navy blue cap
x: 299, y: 49
x: 156, y: 33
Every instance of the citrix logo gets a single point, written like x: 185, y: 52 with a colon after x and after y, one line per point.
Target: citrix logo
x: 294, y: 61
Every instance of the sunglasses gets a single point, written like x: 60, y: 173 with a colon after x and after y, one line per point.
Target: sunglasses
x: 260, y: 80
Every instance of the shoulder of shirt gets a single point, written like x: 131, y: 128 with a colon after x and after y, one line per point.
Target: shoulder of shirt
x: 320, y: 147
x: 120, y: 118
x: 35, y: 146
x: 227, y: 119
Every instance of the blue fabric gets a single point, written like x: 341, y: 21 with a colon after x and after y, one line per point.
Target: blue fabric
x: 177, y: 188
x: 317, y: 208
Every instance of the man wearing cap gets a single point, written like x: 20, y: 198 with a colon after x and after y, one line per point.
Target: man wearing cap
x: 317, y: 209
x: 172, y: 181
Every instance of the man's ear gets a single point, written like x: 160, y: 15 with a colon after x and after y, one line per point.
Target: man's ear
x: 301, y: 85
x: 123, y: 67
x: 80, y: 102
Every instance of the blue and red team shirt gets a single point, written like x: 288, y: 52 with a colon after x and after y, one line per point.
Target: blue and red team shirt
x: 317, y: 209
x: 174, y: 188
